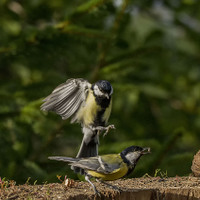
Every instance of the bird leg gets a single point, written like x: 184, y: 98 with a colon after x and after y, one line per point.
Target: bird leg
x: 93, y: 187
x: 102, y: 128
x: 109, y: 185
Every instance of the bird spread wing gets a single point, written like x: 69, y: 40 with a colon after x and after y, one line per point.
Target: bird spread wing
x: 103, y: 164
x: 67, y: 98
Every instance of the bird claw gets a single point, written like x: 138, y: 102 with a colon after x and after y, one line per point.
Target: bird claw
x: 110, y: 186
x: 117, y: 189
x: 112, y: 126
x: 102, y: 128
x: 97, y: 193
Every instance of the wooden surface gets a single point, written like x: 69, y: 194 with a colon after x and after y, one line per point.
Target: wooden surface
x: 175, y: 188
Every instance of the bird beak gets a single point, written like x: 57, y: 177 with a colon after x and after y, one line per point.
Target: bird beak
x: 146, y: 150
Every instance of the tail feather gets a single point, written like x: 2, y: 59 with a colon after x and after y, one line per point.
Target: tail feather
x: 88, y: 148
x: 64, y: 159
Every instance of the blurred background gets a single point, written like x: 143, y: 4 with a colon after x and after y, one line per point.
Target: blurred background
x: 148, y: 50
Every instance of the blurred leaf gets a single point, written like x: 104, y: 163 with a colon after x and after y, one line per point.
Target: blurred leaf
x: 91, y: 33
x: 148, y: 50
x: 153, y: 91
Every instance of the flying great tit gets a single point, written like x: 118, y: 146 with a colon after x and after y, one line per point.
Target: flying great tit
x: 88, y: 104
x: 107, y: 167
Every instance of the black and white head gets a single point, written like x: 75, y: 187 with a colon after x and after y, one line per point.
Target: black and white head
x: 102, y: 88
x: 133, y: 153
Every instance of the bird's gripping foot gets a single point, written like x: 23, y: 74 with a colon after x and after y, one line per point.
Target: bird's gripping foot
x: 109, y: 185
x: 102, y: 128
x: 96, y: 192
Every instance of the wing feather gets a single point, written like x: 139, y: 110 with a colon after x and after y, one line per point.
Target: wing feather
x: 91, y: 163
x: 73, y: 105
x: 69, y: 83
x: 66, y: 103
x: 106, y: 164
x: 62, y: 158
x: 59, y: 105
x: 67, y: 98
x: 56, y: 99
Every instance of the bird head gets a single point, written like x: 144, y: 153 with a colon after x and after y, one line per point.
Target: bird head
x: 102, y: 88
x: 133, y: 153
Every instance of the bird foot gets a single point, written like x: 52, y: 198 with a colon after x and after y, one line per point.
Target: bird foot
x: 112, y: 126
x: 110, y: 186
x: 115, y: 188
x: 102, y: 128
x: 97, y: 193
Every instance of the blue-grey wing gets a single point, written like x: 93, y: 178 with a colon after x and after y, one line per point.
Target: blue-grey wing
x: 104, y: 164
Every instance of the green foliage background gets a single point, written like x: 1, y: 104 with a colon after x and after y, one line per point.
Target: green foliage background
x: 148, y: 50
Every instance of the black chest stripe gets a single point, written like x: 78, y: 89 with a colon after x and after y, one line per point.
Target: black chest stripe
x: 98, y: 119
x: 104, y: 103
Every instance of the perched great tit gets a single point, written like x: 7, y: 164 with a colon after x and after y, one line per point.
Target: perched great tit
x: 88, y: 104
x: 107, y: 167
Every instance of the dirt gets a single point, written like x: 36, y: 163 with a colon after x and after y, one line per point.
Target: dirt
x: 175, y: 188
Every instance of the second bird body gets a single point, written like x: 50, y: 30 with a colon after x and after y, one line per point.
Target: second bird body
x: 115, y: 162
x: 107, y: 167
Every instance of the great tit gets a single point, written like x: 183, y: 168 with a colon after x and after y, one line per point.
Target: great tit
x: 107, y: 167
x: 88, y: 104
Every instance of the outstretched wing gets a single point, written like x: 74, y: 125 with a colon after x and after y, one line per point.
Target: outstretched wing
x: 66, y: 99
x: 103, y: 164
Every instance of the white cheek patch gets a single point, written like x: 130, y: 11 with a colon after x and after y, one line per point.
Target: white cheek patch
x: 132, y: 156
x: 97, y: 92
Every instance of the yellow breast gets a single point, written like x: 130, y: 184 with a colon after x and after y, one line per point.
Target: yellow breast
x: 119, y: 173
x: 87, y: 113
